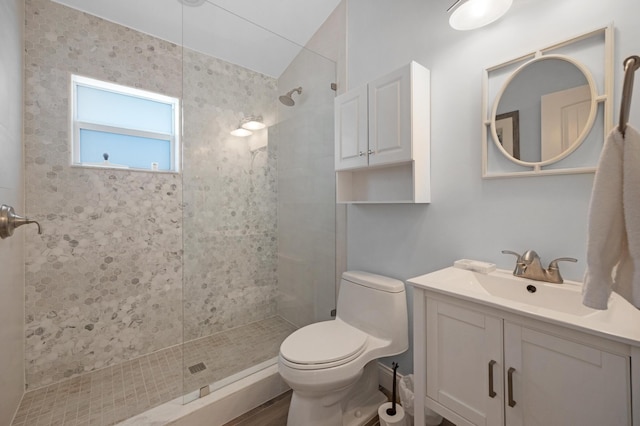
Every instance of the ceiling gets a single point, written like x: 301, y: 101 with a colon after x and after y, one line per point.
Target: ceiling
x: 262, y: 35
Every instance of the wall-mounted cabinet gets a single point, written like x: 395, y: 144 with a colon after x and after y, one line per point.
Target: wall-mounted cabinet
x: 382, y: 139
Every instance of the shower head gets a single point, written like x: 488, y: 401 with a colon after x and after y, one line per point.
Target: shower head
x: 288, y: 99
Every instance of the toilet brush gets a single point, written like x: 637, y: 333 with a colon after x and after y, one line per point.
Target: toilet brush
x: 392, y: 411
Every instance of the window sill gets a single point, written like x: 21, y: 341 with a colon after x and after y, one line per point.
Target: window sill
x: 123, y: 169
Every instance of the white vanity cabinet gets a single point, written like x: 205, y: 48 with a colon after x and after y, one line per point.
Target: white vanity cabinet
x: 482, y: 366
x: 382, y: 139
x: 554, y: 380
x: 464, y: 362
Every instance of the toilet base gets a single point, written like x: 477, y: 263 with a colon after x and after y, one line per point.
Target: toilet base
x: 354, y: 405
x: 363, y: 411
x: 359, y: 411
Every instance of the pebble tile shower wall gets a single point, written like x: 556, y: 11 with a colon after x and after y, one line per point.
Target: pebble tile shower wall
x: 104, y: 281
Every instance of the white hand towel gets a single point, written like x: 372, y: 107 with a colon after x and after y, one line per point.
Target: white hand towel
x: 630, y: 283
x: 613, y: 244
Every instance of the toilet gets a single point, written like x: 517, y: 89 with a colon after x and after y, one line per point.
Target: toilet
x: 332, y: 365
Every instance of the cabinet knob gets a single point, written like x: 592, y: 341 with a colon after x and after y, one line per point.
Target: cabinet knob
x: 371, y: 152
x: 361, y: 153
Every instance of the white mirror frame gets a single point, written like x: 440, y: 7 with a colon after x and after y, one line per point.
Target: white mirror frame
x: 490, y: 106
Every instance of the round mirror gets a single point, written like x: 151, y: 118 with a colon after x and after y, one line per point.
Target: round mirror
x: 544, y: 110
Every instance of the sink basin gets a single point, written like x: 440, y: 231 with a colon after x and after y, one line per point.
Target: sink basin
x: 566, y: 298
x: 559, y: 304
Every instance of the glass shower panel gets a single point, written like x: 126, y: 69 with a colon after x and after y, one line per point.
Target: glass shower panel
x: 306, y: 192
x: 259, y: 211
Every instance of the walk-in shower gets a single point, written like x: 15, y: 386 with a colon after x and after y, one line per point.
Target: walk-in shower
x: 287, y: 99
x: 147, y: 285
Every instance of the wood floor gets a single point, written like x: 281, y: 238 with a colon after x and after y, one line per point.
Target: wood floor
x: 274, y: 413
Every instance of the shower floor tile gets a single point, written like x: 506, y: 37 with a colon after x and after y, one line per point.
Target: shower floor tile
x: 113, y: 394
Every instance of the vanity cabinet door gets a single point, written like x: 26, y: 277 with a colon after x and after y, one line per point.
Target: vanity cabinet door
x: 555, y: 381
x: 351, y: 129
x: 390, y: 113
x: 463, y: 348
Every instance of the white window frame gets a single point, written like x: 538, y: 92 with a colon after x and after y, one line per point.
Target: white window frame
x: 77, y: 125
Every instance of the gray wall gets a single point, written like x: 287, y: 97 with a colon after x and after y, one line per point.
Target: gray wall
x: 470, y: 217
x: 104, y: 280
x: 11, y: 193
x: 229, y: 194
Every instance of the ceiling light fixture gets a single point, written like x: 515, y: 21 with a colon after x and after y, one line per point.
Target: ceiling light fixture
x: 472, y: 14
x: 192, y: 3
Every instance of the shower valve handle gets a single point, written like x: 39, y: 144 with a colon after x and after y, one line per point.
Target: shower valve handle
x: 9, y: 221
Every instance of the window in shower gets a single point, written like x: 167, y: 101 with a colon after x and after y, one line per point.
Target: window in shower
x: 121, y: 127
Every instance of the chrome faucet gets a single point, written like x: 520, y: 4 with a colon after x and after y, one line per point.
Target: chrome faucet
x: 528, y: 265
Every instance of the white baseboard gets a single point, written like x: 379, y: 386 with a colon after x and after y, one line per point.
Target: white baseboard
x: 385, y: 377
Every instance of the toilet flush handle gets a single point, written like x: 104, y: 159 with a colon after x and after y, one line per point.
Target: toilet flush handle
x: 9, y: 221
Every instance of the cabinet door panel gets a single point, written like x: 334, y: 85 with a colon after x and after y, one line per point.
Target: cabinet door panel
x: 560, y: 382
x: 460, y: 345
x: 351, y: 129
x: 390, y: 118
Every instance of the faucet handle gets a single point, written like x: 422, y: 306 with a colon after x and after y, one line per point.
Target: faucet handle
x: 520, y: 266
x: 553, y: 272
x: 513, y: 253
x: 554, y: 263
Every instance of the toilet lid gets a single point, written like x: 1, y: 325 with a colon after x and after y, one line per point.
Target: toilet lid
x: 322, y: 343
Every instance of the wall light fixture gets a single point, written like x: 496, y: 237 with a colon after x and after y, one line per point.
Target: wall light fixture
x: 253, y: 123
x: 248, y: 124
x: 240, y: 132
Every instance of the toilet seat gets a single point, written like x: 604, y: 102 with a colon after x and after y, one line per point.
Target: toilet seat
x: 322, y: 345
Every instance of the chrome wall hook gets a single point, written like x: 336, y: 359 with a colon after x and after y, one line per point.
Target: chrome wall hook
x: 9, y: 221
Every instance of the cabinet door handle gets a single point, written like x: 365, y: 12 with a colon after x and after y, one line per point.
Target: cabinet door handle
x: 371, y: 152
x: 512, y: 402
x: 492, y: 393
x: 361, y: 153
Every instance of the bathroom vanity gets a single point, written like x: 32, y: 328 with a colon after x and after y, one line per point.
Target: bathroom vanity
x: 493, y: 349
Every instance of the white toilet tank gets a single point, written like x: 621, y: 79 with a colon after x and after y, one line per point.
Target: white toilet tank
x: 376, y: 305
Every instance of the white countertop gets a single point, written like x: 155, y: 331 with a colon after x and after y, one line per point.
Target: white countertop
x: 553, y: 303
